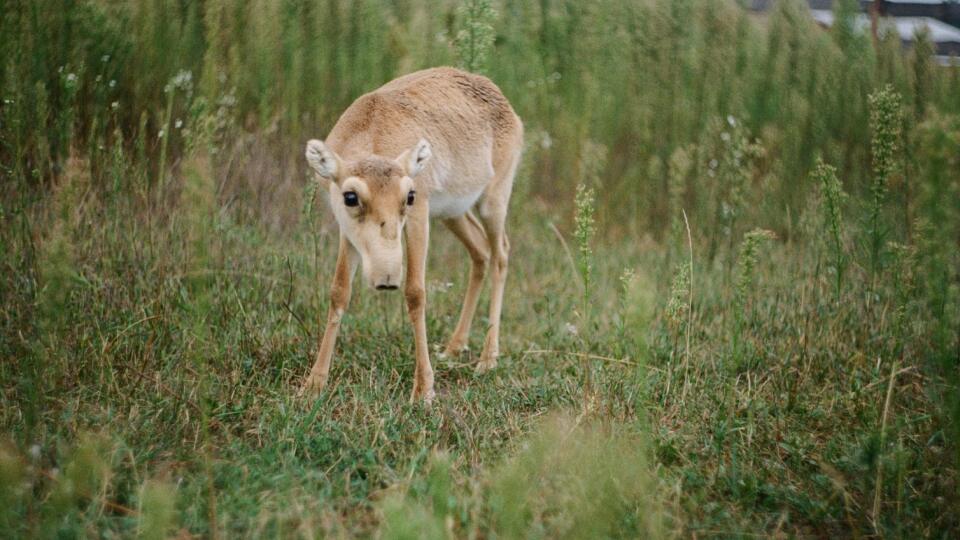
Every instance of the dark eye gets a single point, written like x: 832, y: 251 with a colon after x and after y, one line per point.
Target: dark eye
x: 411, y: 197
x: 350, y: 198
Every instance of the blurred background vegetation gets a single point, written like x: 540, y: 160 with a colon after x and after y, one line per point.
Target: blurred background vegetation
x: 775, y: 255
x: 636, y: 81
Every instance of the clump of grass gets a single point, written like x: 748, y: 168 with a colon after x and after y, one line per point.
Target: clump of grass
x: 583, y: 232
x: 592, y: 159
x: 678, y: 305
x: 885, y: 127
x: 440, y: 486
x: 832, y: 199
x: 576, y: 480
x: 82, y: 485
x: 679, y: 312
x: 680, y: 166
x: 310, y: 190
x: 746, y: 263
x: 181, y: 85
x: 585, y: 228
x: 475, y: 40
x: 157, y: 512
x: 903, y: 270
x: 637, y: 302
x: 922, y: 58
x: 571, y: 478
x: 727, y: 156
x: 429, y: 516
x: 13, y: 486
x: 406, y: 520
x: 70, y: 83
x: 43, y: 157
x: 57, y: 257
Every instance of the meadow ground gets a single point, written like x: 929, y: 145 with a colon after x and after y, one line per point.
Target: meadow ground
x: 742, y: 323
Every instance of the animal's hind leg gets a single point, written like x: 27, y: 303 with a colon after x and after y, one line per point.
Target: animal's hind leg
x: 471, y: 233
x: 493, y: 213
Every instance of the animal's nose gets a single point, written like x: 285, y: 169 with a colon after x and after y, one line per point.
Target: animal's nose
x: 386, y: 285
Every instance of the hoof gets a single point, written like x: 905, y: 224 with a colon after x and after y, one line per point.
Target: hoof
x: 452, y: 350
x: 312, y: 387
x: 425, y: 396
x: 485, y: 365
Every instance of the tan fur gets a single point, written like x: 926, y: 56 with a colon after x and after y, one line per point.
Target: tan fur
x: 453, y: 138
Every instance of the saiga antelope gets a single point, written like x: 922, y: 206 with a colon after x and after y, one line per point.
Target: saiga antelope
x: 432, y: 144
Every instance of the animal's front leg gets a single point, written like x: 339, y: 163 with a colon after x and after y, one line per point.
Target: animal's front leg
x: 339, y: 298
x: 417, y: 235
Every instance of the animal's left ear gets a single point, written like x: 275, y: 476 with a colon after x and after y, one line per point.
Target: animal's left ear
x: 414, y: 159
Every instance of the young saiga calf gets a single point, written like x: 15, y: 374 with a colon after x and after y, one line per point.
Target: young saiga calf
x: 432, y: 144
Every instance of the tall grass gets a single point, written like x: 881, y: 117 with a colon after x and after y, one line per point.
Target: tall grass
x: 641, y: 79
x: 475, y: 41
x: 885, y: 145
x: 832, y: 199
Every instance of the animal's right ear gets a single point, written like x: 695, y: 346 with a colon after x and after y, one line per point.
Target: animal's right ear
x: 323, y: 160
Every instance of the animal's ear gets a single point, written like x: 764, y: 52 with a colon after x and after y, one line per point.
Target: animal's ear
x: 414, y: 159
x: 323, y: 160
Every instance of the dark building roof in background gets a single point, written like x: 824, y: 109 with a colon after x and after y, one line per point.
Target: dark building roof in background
x: 905, y: 17
x: 764, y: 5
x: 945, y: 38
x: 947, y: 11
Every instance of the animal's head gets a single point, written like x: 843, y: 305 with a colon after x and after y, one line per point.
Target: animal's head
x: 371, y: 198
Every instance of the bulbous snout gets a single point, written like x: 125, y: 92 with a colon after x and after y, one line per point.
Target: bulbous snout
x: 387, y: 279
x: 384, y: 270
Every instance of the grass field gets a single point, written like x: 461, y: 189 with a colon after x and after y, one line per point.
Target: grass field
x: 732, y: 309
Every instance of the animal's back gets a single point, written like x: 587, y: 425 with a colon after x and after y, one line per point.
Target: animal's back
x: 467, y: 120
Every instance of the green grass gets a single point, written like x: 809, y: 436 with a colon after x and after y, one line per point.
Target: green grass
x: 185, y: 372
x: 787, y: 369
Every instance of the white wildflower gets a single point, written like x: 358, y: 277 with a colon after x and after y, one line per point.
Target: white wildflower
x: 546, y: 142
x: 183, y: 80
